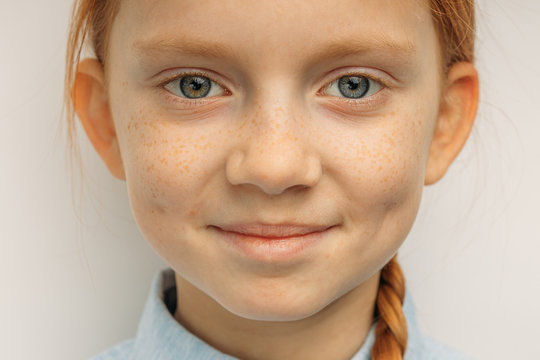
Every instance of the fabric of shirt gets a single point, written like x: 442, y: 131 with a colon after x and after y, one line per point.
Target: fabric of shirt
x: 160, y: 337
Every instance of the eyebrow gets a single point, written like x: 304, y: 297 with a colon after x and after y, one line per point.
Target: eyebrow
x: 402, y: 48
x: 187, y: 46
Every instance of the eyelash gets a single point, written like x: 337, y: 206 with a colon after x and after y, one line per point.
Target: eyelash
x: 360, y: 102
x: 197, y: 102
x: 186, y: 102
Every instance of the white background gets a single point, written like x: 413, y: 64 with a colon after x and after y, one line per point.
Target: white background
x: 71, y: 289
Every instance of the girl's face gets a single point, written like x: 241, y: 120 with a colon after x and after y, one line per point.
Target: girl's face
x: 296, y: 112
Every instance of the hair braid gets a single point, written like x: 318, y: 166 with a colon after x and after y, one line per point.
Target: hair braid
x: 391, y: 329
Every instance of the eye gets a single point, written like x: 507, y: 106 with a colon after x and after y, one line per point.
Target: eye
x: 194, y: 86
x: 353, y: 87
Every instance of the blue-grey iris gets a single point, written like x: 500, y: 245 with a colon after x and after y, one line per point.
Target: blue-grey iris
x: 195, y: 87
x: 353, y: 87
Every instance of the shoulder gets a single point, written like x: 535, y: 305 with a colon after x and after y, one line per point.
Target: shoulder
x: 121, y: 351
x: 430, y: 349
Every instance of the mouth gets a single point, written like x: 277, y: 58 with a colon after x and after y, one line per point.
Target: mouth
x: 273, y: 231
x: 271, y: 243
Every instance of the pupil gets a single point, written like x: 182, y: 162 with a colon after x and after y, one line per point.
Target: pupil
x: 353, y: 83
x: 194, y: 85
x: 353, y: 86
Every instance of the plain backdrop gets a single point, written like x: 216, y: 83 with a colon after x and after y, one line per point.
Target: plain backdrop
x: 74, y: 283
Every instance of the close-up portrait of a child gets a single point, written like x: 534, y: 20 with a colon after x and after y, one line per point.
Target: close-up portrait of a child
x: 241, y: 179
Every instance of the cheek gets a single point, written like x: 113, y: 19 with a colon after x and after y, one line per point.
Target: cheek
x: 165, y: 164
x: 383, y: 168
x: 390, y: 157
x: 162, y: 159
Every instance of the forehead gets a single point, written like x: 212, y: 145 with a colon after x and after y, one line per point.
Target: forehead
x: 290, y: 28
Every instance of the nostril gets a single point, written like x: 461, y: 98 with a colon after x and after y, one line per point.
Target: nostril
x: 274, y: 170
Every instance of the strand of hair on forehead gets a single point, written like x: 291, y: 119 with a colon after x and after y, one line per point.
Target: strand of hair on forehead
x: 391, y: 329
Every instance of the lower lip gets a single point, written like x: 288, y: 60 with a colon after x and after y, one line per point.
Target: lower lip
x: 272, y: 249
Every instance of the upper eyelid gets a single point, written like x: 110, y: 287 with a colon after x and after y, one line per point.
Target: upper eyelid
x: 367, y: 74
x: 191, y: 73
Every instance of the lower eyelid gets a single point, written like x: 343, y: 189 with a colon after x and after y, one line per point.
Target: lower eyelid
x: 371, y: 103
x: 187, y: 103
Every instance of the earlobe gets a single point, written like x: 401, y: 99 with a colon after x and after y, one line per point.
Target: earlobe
x: 91, y: 103
x: 456, y: 117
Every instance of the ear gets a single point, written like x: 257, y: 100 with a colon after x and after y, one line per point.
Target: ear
x: 91, y: 103
x: 456, y: 117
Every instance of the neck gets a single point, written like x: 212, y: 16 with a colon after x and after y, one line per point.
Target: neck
x: 336, y: 332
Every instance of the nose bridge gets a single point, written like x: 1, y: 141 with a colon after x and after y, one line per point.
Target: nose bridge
x: 272, y: 153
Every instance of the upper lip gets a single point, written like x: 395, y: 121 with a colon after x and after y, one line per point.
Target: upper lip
x: 273, y: 230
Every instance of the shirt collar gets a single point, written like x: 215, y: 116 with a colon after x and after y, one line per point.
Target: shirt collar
x: 161, y: 337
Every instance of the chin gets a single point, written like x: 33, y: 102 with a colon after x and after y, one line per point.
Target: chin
x: 276, y: 306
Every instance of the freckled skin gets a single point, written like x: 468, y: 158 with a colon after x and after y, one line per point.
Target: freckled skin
x: 274, y: 156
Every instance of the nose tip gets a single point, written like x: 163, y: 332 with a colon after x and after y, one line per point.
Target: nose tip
x: 274, y: 169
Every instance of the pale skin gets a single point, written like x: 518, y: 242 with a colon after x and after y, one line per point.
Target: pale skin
x: 274, y: 144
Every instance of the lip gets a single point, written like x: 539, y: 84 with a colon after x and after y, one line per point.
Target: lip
x: 272, y: 243
x: 270, y: 231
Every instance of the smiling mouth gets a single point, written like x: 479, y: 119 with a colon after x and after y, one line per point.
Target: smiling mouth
x: 273, y: 231
x: 264, y: 243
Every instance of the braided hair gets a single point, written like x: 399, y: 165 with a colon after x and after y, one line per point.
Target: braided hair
x: 391, y: 328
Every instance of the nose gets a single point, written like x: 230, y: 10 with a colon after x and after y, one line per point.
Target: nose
x: 273, y: 154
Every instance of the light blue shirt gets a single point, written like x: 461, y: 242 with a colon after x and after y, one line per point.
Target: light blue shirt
x: 161, y: 337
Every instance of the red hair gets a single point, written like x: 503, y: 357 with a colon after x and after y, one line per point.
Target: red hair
x: 455, y: 25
